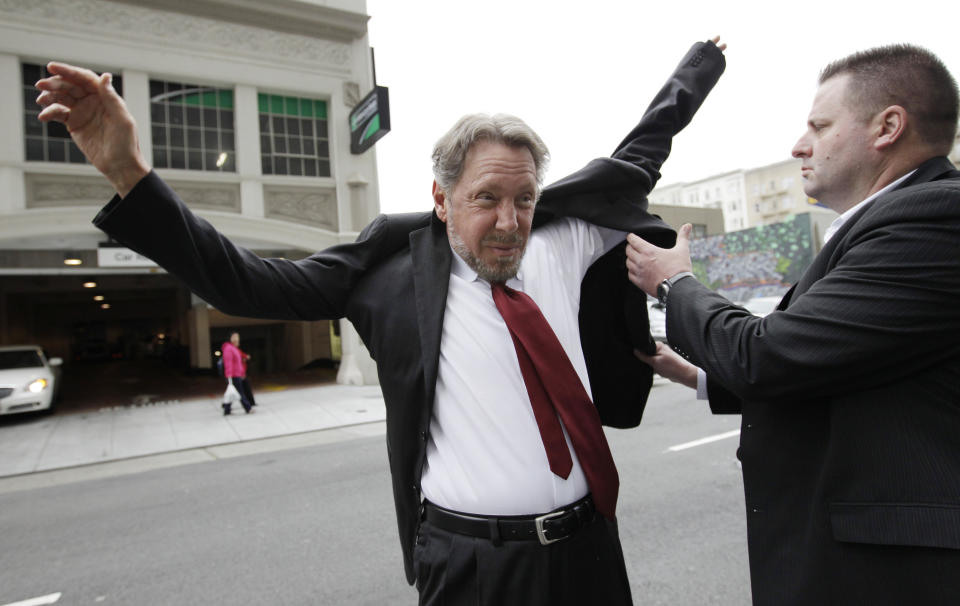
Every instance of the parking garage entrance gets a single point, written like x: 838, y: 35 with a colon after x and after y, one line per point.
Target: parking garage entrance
x: 135, y: 338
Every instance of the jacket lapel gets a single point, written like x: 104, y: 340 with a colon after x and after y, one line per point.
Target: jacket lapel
x: 431, y: 256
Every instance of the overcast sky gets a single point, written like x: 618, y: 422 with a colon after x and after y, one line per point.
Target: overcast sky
x: 581, y: 73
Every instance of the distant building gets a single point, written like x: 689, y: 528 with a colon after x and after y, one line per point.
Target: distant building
x: 747, y: 197
x: 705, y: 221
x: 726, y: 192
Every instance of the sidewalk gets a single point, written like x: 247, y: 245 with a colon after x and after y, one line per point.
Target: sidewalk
x: 116, y: 433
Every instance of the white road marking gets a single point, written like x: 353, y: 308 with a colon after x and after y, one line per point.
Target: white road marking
x: 702, y: 441
x: 53, y: 598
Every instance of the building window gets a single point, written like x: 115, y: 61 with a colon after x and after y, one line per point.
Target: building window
x: 699, y: 230
x: 293, y: 136
x: 192, y: 126
x: 47, y: 141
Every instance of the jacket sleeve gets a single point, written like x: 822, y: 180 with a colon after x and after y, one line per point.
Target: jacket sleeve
x: 612, y: 192
x: 153, y: 221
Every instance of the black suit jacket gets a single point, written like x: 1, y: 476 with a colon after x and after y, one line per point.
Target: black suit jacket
x: 850, y: 395
x: 392, y: 282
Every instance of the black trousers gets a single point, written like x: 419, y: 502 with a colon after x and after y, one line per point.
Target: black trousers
x: 246, y: 394
x: 586, y: 569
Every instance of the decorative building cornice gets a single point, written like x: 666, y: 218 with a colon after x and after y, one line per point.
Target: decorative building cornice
x: 170, y: 23
x: 310, y: 207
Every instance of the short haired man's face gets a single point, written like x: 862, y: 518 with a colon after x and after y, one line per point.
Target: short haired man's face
x: 489, y: 212
x: 235, y: 339
x: 835, y: 148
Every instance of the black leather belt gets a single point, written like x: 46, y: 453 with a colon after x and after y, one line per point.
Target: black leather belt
x: 547, y: 528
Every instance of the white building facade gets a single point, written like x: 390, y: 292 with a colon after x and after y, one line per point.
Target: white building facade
x: 241, y: 106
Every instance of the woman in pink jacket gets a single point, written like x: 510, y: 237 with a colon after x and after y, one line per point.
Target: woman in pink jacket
x: 235, y: 369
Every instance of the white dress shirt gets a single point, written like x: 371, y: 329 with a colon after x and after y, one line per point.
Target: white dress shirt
x: 831, y: 230
x: 485, y: 454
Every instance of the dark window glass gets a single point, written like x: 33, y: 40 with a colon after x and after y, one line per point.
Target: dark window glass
x: 75, y: 155
x: 193, y: 116
x: 293, y: 135
x: 177, y: 158
x: 194, y: 139
x: 296, y: 166
x: 32, y: 126
x: 206, y: 112
x: 176, y: 114
x: 34, y: 149
x: 159, y: 135
x: 56, y: 151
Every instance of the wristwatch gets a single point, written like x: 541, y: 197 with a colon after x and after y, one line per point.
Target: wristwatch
x: 663, y: 289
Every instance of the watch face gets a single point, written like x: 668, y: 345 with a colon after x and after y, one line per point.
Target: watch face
x: 663, y: 289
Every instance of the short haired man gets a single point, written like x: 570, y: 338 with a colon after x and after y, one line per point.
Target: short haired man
x: 503, y: 482
x: 850, y: 393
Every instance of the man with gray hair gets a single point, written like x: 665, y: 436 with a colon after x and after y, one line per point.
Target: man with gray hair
x: 497, y: 322
x: 850, y: 392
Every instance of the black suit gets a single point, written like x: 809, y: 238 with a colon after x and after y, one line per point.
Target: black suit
x: 850, y: 395
x: 392, y: 283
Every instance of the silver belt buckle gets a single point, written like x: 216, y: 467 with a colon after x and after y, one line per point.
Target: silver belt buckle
x: 538, y: 521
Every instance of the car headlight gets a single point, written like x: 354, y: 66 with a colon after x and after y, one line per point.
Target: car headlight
x: 37, y: 385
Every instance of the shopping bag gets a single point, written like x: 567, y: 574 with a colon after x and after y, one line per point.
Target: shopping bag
x: 231, y: 395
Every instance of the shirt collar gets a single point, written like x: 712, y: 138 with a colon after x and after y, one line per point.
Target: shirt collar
x: 845, y: 216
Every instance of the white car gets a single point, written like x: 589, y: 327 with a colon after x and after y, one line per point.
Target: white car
x: 28, y: 380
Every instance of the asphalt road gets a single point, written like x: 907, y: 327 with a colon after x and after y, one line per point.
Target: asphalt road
x: 316, y: 525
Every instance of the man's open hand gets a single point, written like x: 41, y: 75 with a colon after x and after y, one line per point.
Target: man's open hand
x: 97, y: 119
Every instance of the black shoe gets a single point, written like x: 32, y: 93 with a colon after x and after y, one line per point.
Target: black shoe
x: 226, y: 409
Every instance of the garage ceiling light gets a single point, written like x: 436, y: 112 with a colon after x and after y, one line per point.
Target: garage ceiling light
x: 89, y: 284
x: 72, y: 260
x: 105, y: 306
x: 98, y: 297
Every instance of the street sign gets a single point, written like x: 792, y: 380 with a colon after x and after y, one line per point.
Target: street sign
x: 369, y: 120
x: 117, y: 256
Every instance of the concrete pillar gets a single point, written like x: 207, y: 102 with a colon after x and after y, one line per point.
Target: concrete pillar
x: 199, y: 325
x: 356, y: 365
x: 13, y: 196
x: 136, y: 93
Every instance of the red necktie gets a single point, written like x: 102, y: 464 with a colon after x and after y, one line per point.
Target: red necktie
x: 555, y: 389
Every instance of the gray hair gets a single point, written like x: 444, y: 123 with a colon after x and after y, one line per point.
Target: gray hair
x: 450, y: 152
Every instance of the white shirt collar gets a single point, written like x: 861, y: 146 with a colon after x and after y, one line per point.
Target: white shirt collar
x: 839, y: 221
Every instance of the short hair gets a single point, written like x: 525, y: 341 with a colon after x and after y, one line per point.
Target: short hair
x: 905, y: 75
x: 450, y: 152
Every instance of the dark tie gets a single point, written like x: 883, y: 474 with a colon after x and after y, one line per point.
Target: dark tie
x: 555, y: 389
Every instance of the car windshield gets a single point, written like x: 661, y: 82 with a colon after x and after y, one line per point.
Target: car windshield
x: 25, y: 358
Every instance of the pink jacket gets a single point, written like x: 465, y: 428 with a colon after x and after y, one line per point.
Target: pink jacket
x: 234, y: 364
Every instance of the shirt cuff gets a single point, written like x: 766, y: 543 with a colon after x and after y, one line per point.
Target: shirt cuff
x: 702, y: 385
